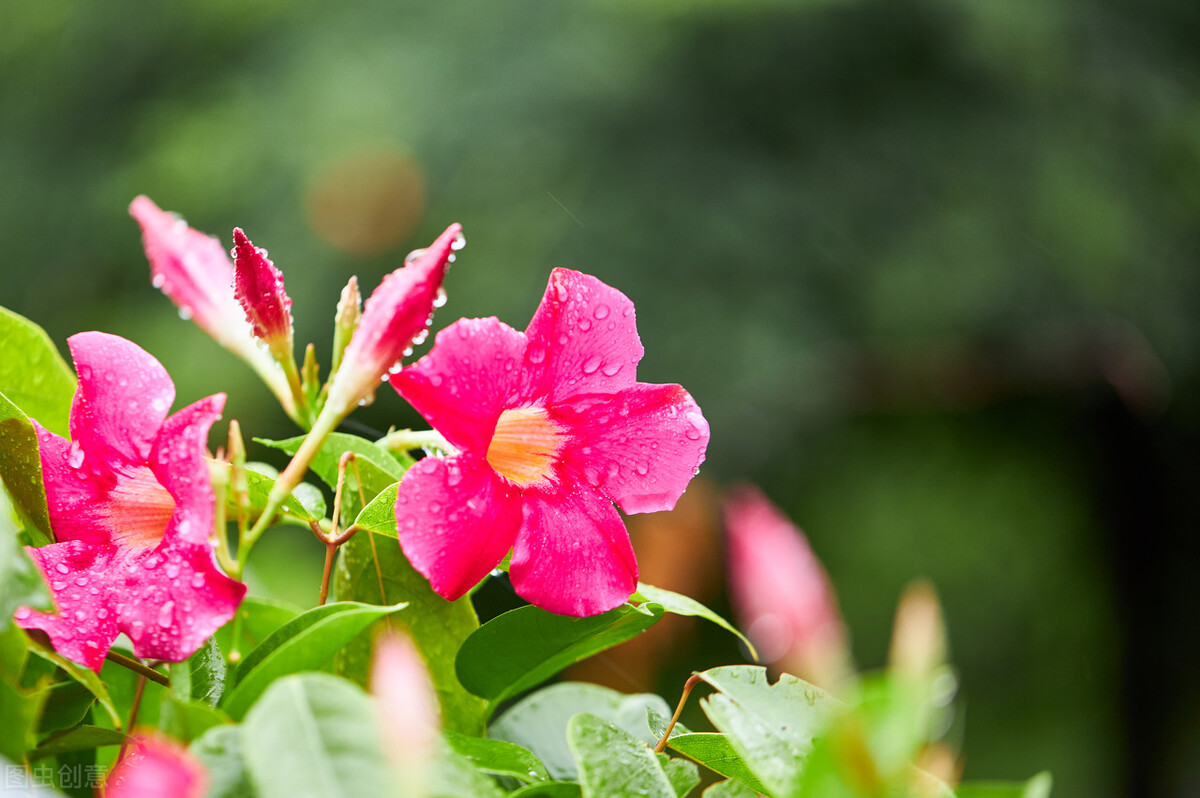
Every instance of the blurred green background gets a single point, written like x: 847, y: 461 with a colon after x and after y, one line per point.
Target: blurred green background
x: 930, y: 268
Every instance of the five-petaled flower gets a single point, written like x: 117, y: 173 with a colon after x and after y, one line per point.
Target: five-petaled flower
x: 552, y: 428
x: 131, y: 506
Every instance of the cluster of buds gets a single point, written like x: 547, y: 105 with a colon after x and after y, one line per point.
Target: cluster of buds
x: 241, y: 303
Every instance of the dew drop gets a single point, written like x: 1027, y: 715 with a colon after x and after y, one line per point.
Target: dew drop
x: 435, y: 507
x: 591, y: 365
x: 57, y: 585
x: 102, y: 613
x: 562, y: 293
x: 411, y: 257
x: 439, y: 299
x: 22, y: 613
x: 536, y: 354
x: 166, y: 615
x: 197, y: 580
x: 601, y: 311
x: 136, y: 630
x: 62, y: 569
x: 159, y: 281
x: 81, y: 581
x: 459, y: 242
x: 185, y: 313
x: 610, y: 369
x: 80, y: 615
x: 436, y: 380
x: 696, y: 425
x: 585, y: 325
x: 453, y: 476
x: 643, y: 469
x: 75, y: 457
x: 172, y: 570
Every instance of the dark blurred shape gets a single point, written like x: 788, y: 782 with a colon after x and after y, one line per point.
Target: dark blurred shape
x: 367, y: 202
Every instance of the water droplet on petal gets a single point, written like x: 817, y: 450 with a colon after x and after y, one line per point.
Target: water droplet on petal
x: 80, y: 615
x: 185, y: 313
x: 643, y: 469
x: 166, y: 615
x: 22, y: 613
x: 75, y: 457
x: 57, y: 585
x: 585, y: 325
x: 81, y: 581
x: 159, y: 281
x: 453, y: 475
x: 197, y: 580
x: 591, y: 365
x: 435, y: 380
x: 459, y: 242
x: 601, y: 311
x: 172, y: 570
x: 439, y: 299
x: 136, y: 630
x: 562, y: 293
x: 610, y: 369
x: 536, y: 354
x: 62, y: 569
x: 102, y: 613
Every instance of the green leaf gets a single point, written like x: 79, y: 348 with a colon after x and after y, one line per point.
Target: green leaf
x: 20, y: 580
x: 772, y: 726
x: 498, y: 757
x: 82, y: 675
x: 289, y: 630
x: 187, y: 719
x: 612, y: 763
x: 201, y: 676
x: 549, y: 789
x: 300, y: 508
x: 1037, y: 787
x: 33, y: 374
x: 730, y: 789
x: 19, y: 712
x: 311, y: 647
x: 220, y: 751
x: 538, y: 722
x: 678, y: 604
x: 66, y: 704
x: 256, y: 619
x: 526, y: 646
x: 683, y: 775
x: 437, y: 627
x: 313, y: 734
x: 21, y: 467
x: 379, y: 516
x: 79, y: 738
x: 715, y: 752
x: 453, y: 776
x: 374, y: 466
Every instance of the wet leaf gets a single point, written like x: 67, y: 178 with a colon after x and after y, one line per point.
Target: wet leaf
x: 614, y: 764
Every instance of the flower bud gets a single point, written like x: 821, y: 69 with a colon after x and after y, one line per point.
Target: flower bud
x: 780, y: 591
x: 345, y: 321
x: 409, y: 717
x: 396, y: 316
x: 259, y: 288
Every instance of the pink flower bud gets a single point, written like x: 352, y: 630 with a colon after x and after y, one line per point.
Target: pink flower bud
x: 409, y: 717
x: 780, y: 592
x: 258, y: 286
x: 396, y: 316
x: 156, y: 767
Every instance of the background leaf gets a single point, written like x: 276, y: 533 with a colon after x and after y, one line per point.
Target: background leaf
x: 498, y: 757
x: 20, y: 580
x: 538, y: 722
x: 256, y: 619
x: 376, y: 466
x: 220, y: 751
x: 379, y: 516
x: 79, y: 738
x: 374, y: 570
x: 678, y: 604
x: 716, y: 753
x: 1037, y: 787
x: 21, y: 467
x: 314, y: 734
x: 526, y: 646
x: 33, y: 375
x: 613, y: 764
x: 311, y: 647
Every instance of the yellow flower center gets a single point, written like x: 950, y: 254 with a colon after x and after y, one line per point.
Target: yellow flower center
x: 525, y: 446
x: 140, y: 509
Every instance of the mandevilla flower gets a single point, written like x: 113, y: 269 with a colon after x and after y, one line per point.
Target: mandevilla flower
x: 780, y: 591
x: 195, y: 273
x: 396, y: 316
x: 131, y: 506
x: 552, y: 427
x: 156, y: 767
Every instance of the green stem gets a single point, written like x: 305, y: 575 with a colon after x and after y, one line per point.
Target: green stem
x: 138, y: 668
x: 406, y: 440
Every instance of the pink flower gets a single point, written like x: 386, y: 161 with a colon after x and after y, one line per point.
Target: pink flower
x: 131, y: 505
x: 155, y: 767
x: 553, y: 427
x: 195, y: 273
x: 780, y: 591
x: 396, y: 316
x: 258, y: 286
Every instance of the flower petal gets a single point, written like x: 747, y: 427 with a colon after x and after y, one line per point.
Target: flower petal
x: 173, y: 599
x: 123, y: 396
x: 178, y: 462
x: 75, y: 494
x: 469, y: 377
x: 259, y: 288
x: 573, y: 555
x: 456, y: 519
x: 83, y: 628
x: 582, y: 339
x: 640, y: 447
